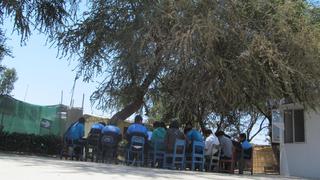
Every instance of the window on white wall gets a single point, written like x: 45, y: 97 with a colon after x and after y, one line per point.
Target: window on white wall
x: 294, y: 126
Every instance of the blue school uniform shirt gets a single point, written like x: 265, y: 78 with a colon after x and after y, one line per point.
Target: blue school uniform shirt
x: 111, y: 128
x: 246, y: 145
x: 194, y: 135
x: 76, y: 132
x: 97, y: 126
x: 137, y: 128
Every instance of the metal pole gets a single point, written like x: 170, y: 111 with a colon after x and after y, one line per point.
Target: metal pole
x: 82, y: 101
x: 26, y: 93
x: 72, y: 92
x: 61, y: 101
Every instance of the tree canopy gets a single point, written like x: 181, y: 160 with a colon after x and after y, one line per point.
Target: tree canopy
x: 194, y: 57
x: 225, y: 54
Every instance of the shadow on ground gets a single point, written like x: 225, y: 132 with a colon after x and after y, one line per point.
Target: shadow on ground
x: 88, y: 168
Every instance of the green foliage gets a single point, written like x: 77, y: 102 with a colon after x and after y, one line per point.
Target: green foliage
x: 45, y: 16
x: 193, y: 58
x: 7, y: 79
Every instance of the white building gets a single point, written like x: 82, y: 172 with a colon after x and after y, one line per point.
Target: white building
x: 298, y: 131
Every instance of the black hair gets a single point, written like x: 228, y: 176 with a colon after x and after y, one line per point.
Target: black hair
x: 243, y: 135
x: 174, y: 124
x: 162, y: 124
x: 219, y: 133
x: 187, y: 129
x: 207, y: 132
x: 138, y: 119
x: 103, y: 123
x: 156, y: 124
x: 81, y: 120
x: 189, y: 124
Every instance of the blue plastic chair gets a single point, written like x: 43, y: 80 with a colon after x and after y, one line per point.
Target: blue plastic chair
x: 109, y: 144
x: 177, y: 157
x: 196, y: 157
x: 135, y: 152
x: 156, y: 155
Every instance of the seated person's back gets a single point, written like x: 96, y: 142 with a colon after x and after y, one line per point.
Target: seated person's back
x: 76, y: 131
x: 114, y: 132
x: 246, y: 146
x: 173, y: 133
x: 158, y: 134
x: 111, y: 128
x: 211, y: 140
x: 97, y: 128
x: 137, y: 129
x: 226, y: 145
x: 194, y: 135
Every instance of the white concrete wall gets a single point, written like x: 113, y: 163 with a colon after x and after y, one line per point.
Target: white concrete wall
x: 303, y: 159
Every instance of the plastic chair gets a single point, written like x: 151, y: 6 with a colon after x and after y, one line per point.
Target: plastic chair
x: 196, y: 157
x: 227, y: 165
x: 156, y: 155
x: 136, y: 150
x: 109, y: 144
x: 92, y: 147
x: 177, y: 157
x: 212, y: 161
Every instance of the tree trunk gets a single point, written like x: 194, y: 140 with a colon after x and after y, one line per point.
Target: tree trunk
x: 127, y: 111
x: 275, y: 146
x: 202, y: 125
x: 136, y: 104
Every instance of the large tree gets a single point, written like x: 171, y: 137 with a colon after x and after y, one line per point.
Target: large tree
x: 236, y: 54
x: 216, y: 56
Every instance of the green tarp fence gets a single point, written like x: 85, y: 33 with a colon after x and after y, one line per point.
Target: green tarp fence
x: 21, y: 117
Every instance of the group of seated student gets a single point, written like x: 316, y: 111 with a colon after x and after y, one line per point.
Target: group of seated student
x: 75, y: 133
x: 168, y: 136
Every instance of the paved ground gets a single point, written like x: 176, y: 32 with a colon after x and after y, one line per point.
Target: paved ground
x: 21, y: 167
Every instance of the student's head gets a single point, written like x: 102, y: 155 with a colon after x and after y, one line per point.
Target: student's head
x: 138, y: 119
x: 103, y: 123
x: 189, y: 125
x: 174, y: 124
x: 207, y: 132
x: 112, y: 123
x: 81, y: 120
x: 156, y: 124
x: 187, y: 129
x: 162, y: 124
x: 242, y: 137
x: 219, y: 133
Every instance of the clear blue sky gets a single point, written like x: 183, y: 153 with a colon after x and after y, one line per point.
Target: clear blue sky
x: 42, y: 76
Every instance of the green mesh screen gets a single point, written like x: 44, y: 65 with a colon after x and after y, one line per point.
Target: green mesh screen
x: 21, y: 117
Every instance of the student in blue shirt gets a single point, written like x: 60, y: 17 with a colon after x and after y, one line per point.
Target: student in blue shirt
x: 76, y: 131
x: 137, y: 129
x: 74, y: 136
x: 97, y: 127
x: 192, y: 135
x: 245, y: 151
x: 111, y: 128
x: 245, y: 145
x: 110, y: 138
